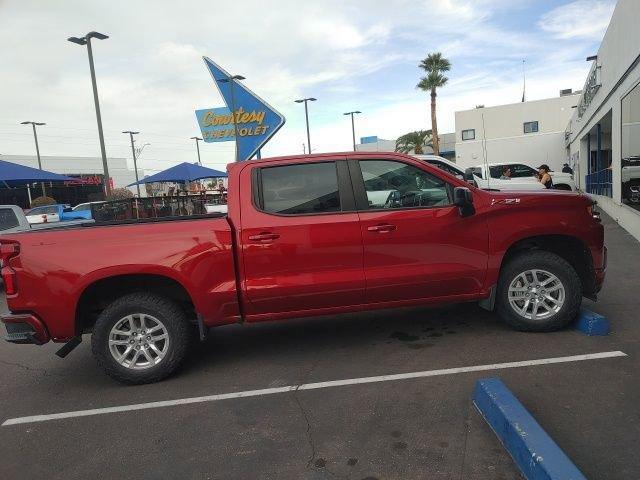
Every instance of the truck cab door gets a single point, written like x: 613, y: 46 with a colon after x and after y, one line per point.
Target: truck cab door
x: 416, y: 245
x: 300, y: 237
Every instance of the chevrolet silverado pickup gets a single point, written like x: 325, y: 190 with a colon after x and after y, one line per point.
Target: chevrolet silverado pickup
x: 303, y: 236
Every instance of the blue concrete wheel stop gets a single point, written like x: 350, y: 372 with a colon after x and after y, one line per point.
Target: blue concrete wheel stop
x: 535, y: 453
x: 592, y: 323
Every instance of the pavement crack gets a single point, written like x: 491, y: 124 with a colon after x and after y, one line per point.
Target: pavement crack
x: 467, y: 429
x: 28, y: 368
x: 309, y: 432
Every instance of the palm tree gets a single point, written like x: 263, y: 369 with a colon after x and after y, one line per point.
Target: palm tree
x: 435, y: 64
x: 414, y: 142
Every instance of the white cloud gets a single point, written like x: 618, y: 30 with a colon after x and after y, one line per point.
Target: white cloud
x: 581, y: 19
x: 350, y: 54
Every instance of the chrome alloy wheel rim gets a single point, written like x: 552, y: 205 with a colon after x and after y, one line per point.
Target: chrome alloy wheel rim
x: 138, y: 341
x: 536, y: 294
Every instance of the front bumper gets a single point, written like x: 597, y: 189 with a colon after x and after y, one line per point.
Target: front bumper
x: 25, y: 328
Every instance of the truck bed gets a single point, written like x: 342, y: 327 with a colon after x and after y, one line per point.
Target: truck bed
x: 195, y: 252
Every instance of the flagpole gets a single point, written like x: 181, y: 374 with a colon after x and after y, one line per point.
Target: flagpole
x: 524, y: 83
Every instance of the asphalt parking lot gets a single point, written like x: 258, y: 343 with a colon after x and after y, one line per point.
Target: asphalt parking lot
x: 401, y: 429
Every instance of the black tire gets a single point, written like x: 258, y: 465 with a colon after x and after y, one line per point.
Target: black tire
x: 169, y: 313
x: 552, y: 263
x: 562, y: 186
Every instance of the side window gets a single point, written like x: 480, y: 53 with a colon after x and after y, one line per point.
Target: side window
x: 477, y: 171
x: 496, y: 172
x: 391, y: 184
x: 521, y: 171
x: 8, y: 219
x: 469, y: 134
x: 530, y: 127
x: 300, y: 189
x: 446, y: 168
x: 83, y: 208
x: 43, y: 211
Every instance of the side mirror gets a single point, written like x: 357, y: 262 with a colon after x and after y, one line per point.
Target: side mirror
x: 468, y: 176
x: 463, y: 199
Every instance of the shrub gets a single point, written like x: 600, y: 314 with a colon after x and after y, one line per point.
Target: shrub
x: 120, y: 194
x: 40, y: 201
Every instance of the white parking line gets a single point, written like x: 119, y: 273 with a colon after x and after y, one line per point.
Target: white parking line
x: 311, y: 386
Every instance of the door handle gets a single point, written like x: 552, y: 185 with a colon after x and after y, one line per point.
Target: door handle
x: 264, y: 237
x: 384, y: 228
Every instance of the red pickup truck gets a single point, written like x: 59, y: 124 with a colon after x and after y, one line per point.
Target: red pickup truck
x: 304, y: 236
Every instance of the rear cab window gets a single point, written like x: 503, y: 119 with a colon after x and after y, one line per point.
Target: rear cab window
x: 298, y: 189
x: 8, y: 219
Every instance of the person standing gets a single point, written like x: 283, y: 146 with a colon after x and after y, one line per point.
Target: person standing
x: 567, y: 169
x: 544, y: 177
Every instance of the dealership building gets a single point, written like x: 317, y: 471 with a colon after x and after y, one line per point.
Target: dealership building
x: 603, y: 135
x: 526, y: 132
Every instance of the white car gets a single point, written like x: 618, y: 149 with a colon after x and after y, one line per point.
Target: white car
x: 521, y: 173
x: 81, y: 207
x: 44, y: 214
x: 478, y: 175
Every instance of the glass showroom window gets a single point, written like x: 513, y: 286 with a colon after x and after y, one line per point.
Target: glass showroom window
x: 630, y: 161
x: 469, y: 134
x: 530, y: 127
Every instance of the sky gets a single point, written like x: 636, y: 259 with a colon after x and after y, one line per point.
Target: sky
x: 350, y: 55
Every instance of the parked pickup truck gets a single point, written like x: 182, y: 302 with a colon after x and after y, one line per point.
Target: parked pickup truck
x: 304, y: 236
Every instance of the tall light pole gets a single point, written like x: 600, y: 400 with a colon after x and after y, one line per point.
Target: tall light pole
x: 198, y: 139
x: 86, y: 40
x: 35, y: 137
x: 231, y: 81
x: 135, y: 163
x: 353, y: 126
x: 306, y: 116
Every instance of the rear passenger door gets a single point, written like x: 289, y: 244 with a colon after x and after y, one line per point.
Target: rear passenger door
x: 301, y: 242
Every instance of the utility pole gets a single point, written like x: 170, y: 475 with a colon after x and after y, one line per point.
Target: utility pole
x: 135, y: 163
x: 306, y: 116
x: 35, y: 137
x: 353, y: 127
x: 231, y: 80
x: 86, y: 40
x: 198, y: 139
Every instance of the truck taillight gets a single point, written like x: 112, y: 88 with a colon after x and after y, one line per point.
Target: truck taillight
x: 593, y: 212
x: 8, y: 251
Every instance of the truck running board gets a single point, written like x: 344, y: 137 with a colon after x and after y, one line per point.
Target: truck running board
x: 69, y: 346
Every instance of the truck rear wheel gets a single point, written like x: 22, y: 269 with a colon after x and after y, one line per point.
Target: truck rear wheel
x: 140, y: 338
x: 538, y: 291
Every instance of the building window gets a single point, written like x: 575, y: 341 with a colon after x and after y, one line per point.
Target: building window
x: 630, y: 161
x: 530, y: 127
x: 469, y: 134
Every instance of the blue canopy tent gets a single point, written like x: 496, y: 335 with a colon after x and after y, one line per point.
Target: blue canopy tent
x: 13, y: 174
x: 184, y: 172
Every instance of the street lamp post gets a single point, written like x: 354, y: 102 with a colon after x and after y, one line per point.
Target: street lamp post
x: 35, y: 137
x: 135, y: 163
x: 353, y: 126
x: 231, y: 81
x: 306, y: 116
x: 198, y: 139
x: 86, y: 40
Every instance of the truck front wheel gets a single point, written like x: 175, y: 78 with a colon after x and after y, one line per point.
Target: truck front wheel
x: 140, y: 338
x: 538, y: 291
